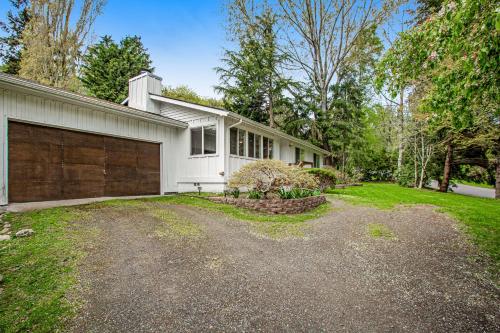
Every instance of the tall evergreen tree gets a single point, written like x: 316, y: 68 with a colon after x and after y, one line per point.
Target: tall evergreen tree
x: 11, y: 45
x: 107, y: 67
x: 251, y: 81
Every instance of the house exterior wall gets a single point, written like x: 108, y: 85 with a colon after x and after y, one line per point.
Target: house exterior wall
x: 205, y: 170
x: 43, y: 110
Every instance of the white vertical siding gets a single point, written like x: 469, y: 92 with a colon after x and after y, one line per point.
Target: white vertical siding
x: 206, y: 170
x: 44, y: 111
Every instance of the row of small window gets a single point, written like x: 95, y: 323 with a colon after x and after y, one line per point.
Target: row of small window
x: 249, y: 144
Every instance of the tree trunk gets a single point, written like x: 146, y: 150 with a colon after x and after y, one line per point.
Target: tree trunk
x: 447, y: 168
x: 415, y: 162
x: 400, y: 131
x: 497, y: 180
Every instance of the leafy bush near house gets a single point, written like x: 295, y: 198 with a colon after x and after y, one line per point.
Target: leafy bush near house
x: 235, y: 192
x: 253, y: 194
x: 269, y: 176
x: 296, y: 193
x: 326, y: 177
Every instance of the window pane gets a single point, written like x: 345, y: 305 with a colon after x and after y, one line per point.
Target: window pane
x: 265, y: 147
x: 196, y: 141
x: 233, y: 141
x: 251, y: 142
x: 302, y: 154
x: 297, y: 155
x: 257, y: 146
x: 315, y: 160
x: 210, y: 139
x: 241, y: 142
x: 271, y: 148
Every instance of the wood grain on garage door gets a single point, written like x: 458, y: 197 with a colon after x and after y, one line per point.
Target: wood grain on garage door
x: 51, y: 164
x: 35, y: 163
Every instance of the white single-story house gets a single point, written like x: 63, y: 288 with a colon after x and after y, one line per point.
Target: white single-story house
x: 57, y: 144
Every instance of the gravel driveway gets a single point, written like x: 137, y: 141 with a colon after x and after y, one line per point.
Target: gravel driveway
x: 222, y: 275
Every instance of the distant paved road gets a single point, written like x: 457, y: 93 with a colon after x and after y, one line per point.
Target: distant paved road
x: 468, y: 190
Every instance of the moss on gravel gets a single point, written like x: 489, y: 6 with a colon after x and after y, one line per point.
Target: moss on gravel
x: 378, y: 230
x: 174, y: 225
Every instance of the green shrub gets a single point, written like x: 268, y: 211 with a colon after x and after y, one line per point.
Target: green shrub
x: 326, y: 177
x: 235, y: 192
x: 253, y: 194
x: 297, y: 193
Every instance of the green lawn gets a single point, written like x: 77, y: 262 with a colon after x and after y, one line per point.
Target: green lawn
x: 39, y: 271
x: 480, y: 216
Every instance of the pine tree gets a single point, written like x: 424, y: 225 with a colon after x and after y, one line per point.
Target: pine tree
x: 107, y: 67
x: 11, y: 45
x: 251, y: 81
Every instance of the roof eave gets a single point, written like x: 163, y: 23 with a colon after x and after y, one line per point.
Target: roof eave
x: 14, y: 82
x: 198, y: 107
x: 277, y: 132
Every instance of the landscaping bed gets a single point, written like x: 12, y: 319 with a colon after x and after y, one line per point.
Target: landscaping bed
x: 274, y: 206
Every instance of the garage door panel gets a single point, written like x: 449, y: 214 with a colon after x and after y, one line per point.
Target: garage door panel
x: 50, y: 164
x: 35, y: 152
x: 20, y: 133
x: 83, y: 172
x: 82, y: 189
x: 21, y: 170
x: 121, y: 173
x: 121, y: 187
x: 148, y: 162
x: 118, y: 158
x: 25, y: 191
x: 150, y: 187
x: 47, y: 135
x: 148, y: 156
x: 148, y: 176
x: 120, y: 145
x: 79, y: 139
x: 84, y: 155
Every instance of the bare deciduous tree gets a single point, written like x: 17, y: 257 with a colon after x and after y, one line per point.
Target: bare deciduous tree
x: 323, y: 34
x: 54, y: 40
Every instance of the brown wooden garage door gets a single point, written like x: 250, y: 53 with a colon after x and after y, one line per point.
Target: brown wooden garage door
x: 52, y: 164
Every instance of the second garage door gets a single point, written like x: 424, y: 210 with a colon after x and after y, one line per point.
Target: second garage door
x: 52, y: 164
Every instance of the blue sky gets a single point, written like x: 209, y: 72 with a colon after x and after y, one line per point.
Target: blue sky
x: 185, y: 38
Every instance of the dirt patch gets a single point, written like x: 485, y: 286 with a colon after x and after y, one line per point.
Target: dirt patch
x: 339, y: 278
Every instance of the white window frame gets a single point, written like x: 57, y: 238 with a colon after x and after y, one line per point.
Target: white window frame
x: 268, y: 145
x: 245, y: 145
x: 203, y: 141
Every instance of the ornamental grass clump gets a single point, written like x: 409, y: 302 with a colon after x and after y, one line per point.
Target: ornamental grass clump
x: 271, y: 176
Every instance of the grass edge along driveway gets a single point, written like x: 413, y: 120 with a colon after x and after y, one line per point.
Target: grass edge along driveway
x: 479, y: 216
x: 40, y: 272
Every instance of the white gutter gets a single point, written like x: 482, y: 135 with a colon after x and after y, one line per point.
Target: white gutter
x: 189, y: 105
x: 276, y: 132
x: 236, y: 124
x: 11, y: 81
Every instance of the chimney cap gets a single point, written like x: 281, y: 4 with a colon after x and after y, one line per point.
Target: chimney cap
x: 146, y: 72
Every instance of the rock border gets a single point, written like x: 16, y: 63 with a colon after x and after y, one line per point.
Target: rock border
x: 274, y: 206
